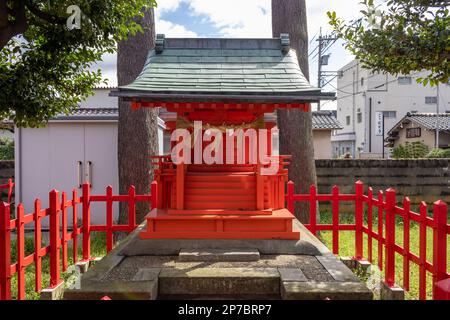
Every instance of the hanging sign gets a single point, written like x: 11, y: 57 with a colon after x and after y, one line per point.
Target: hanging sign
x: 379, y: 124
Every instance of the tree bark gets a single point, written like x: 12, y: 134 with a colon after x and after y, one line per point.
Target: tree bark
x: 289, y: 16
x: 138, y: 129
x: 8, y: 28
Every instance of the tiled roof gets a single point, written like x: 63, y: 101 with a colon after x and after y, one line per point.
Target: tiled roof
x: 91, y: 114
x: 429, y: 120
x: 225, y: 67
x: 325, y: 120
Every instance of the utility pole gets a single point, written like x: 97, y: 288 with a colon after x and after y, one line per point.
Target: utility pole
x: 319, y: 75
x: 325, y: 43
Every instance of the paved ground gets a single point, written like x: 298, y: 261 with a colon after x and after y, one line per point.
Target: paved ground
x: 309, y: 265
x: 148, y: 269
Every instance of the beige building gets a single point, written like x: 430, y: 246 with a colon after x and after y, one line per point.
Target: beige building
x: 324, y: 124
x: 420, y: 127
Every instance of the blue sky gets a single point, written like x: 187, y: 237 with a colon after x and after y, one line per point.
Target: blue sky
x: 243, y: 18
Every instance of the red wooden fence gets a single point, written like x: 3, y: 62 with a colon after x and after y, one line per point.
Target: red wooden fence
x: 385, y: 204
x: 9, y: 187
x: 58, y: 213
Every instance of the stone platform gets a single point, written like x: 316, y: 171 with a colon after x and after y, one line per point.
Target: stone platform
x: 220, y: 269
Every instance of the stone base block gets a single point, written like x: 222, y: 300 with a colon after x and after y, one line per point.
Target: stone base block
x: 325, y: 290
x: 115, y: 290
x: 55, y: 293
x: 391, y: 293
x: 232, y: 283
x: 83, y: 266
x: 349, y: 262
x: 218, y: 255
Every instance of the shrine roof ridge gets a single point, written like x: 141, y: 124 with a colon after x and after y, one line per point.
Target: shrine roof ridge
x: 222, y: 43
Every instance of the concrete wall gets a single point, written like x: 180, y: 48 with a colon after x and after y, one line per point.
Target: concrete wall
x: 426, y: 180
x: 322, y: 144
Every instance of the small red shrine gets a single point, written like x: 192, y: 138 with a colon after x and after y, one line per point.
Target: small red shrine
x: 226, y: 84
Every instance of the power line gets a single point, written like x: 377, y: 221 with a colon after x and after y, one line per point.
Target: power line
x: 357, y: 93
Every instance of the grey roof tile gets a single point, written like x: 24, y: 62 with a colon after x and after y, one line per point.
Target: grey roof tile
x: 429, y: 120
x: 206, y: 65
x: 325, y: 120
x: 90, y: 114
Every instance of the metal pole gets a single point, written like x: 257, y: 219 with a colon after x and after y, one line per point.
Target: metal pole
x: 437, y: 117
x: 382, y: 144
x: 319, y: 75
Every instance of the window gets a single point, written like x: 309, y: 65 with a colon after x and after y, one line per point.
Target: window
x: 390, y: 114
x: 404, y: 80
x: 362, y: 81
x: 359, y: 117
x: 430, y: 100
x: 413, y: 133
x: 347, y: 120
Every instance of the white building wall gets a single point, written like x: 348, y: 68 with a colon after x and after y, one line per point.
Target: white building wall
x: 360, y: 91
x: 100, y: 99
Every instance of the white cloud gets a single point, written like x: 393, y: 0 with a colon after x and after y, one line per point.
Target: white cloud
x: 173, y: 30
x: 236, y: 18
x: 252, y: 18
x: 170, y: 28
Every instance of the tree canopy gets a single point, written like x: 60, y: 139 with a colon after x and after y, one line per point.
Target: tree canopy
x: 401, y: 37
x: 45, y: 64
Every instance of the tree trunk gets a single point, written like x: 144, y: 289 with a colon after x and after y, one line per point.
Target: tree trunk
x: 289, y: 16
x: 138, y: 129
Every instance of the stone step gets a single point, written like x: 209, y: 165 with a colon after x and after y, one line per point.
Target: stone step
x: 219, y: 255
x: 231, y: 283
x: 296, y: 290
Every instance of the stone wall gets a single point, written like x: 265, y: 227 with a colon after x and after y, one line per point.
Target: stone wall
x: 420, y: 180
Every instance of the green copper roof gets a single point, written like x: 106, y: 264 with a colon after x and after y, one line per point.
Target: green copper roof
x: 220, y: 67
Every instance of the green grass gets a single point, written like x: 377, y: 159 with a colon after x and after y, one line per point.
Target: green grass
x: 98, y: 249
x: 347, y: 248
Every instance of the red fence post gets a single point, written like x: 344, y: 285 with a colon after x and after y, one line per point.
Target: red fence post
x: 154, y: 194
x: 109, y: 218
x: 37, y: 245
x: 335, y: 218
x: 313, y: 209
x: 131, y: 208
x: 5, y: 251
x: 54, y: 239
x: 406, y: 238
x: 359, y: 220
x: 290, y: 197
x: 390, y: 238
x: 380, y: 229
x: 74, y: 226
x: 10, y: 189
x: 86, y: 222
x: 64, y: 231
x: 369, y: 224
x: 439, y: 243
x: 423, y: 251
x: 20, y: 226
